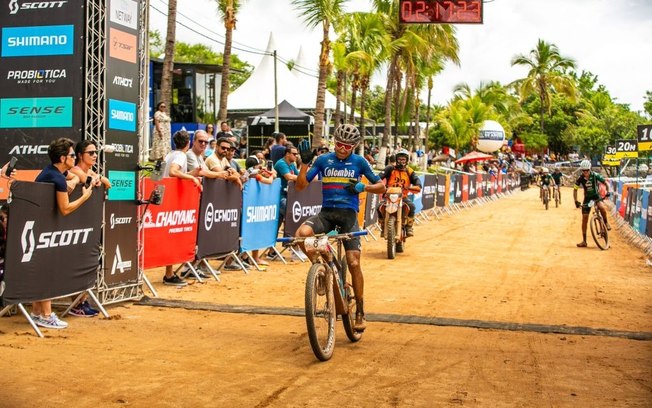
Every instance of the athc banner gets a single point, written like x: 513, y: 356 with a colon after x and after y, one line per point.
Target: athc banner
x: 170, y: 229
x: 301, y: 205
x: 49, y: 255
x: 260, y: 212
x: 218, y: 229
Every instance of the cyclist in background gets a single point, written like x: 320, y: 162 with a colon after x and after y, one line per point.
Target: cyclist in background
x: 340, y: 173
x: 400, y: 175
x: 589, y: 181
x: 557, y: 177
x: 544, y: 181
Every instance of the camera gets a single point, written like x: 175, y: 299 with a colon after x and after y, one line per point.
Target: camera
x: 156, y: 197
x: 88, y: 182
x: 270, y: 165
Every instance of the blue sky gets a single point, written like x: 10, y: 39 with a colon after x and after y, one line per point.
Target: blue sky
x: 612, y: 39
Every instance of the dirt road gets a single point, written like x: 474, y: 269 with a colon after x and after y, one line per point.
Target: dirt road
x: 504, y: 311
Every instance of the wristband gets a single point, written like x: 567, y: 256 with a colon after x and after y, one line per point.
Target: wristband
x: 259, y: 177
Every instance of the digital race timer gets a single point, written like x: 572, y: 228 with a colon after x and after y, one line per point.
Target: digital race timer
x: 440, y: 11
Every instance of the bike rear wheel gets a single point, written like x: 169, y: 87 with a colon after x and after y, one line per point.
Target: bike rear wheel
x: 320, y: 311
x: 599, y: 232
x: 348, y: 320
x: 391, y: 238
x: 556, y: 193
x: 545, y: 199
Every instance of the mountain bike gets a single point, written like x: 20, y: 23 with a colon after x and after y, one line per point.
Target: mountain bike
x: 329, y: 291
x: 545, y: 197
x: 598, y: 227
x: 556, y: 196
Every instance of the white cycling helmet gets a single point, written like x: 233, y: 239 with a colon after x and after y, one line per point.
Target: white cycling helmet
x: 545, y: 170
x: 585, y: 165
x: 347, y: 133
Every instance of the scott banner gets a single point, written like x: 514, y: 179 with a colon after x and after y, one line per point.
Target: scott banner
x: 260, y: 209
x: 218, y: 229
x: 49, y: 255
x: 170, y: 229
x: 301, y: 205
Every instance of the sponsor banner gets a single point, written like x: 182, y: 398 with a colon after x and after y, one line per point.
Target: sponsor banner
x: 38, y: 41
x: 453, y: 188
x: 38, y: 10
x: 428, y: 191
x: 120, y: 243
x: 36, y: 113
x: 27, y: 77
x: 123, y: 185
x: 441, y: 190
x: 122, y: 80
x: 371, y: 209
x: 122, y: 115
x: 170, y: 229
x: 122, y: 45
x: 479, y: 185
x: 125, y: 156
x: 458, y: 180
x: 49, y: 255
x: 416, y: 197
x: 124, y: 13
x: 218, y: 223
x: 301, y: 205
x: 260, y: 213
x: 645, y: 198
x: 473, y: 187
x: 465, y: 187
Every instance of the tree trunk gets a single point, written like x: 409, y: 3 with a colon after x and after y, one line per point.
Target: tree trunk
x: 363, y: 92
x: 324, y: 68
x: 168, y: 60
x: 338, y: 98
x: 354, y: 95
x: 229, y: 25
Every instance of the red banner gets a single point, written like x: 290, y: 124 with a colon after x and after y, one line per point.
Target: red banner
x: 478, y: 185
x: 465, y: 188
x: 170, y: 229
x: 500, y: 182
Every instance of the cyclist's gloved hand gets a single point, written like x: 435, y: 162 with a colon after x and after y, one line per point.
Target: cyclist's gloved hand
x: 355, y: 187
x: 305, y: 152
x: 578, y: 204
x: 607, y: 195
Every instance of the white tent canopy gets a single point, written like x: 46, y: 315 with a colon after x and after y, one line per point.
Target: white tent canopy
x: 257, y: 93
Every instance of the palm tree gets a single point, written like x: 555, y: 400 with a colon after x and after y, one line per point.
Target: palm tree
x: 324, y: 13
x: 228, y: 10
x: 168, y: 60
x: 547, y: 75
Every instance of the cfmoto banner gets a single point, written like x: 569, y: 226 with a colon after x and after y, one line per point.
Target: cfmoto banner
x: 218, y: 224
x: 301, y: 205
x: 49, y: 255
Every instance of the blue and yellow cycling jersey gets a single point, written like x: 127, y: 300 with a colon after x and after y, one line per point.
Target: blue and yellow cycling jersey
x: 336, y: 175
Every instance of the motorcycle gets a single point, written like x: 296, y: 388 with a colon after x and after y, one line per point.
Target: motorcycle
x: 395, y: 215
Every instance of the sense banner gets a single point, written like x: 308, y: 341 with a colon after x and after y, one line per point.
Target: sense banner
x: 260, y: 213
x: 218, y: 223
x: 170, y: 229
x: 49, y: 255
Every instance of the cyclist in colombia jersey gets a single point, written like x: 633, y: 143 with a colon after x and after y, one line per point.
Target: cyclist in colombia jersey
x: 340, y: 174
x: 589, y: 181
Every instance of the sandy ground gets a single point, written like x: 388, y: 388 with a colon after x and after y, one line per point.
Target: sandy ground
x: 508, y: 264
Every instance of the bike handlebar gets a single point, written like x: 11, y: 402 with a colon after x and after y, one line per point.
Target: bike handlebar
x: 346, y: 235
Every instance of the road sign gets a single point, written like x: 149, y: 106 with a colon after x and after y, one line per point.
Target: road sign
x: 610, y: 152
x: 644, y: 135
x: 610, y: 162
x: 626, y: 148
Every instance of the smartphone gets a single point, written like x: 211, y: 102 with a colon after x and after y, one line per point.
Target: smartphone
x: 269, y: 165
x: 88, y: 182
x: 12, y: 166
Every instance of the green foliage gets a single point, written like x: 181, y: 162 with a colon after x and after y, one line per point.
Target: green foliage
x: 647, y: 105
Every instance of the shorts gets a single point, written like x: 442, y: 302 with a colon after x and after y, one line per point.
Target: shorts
x: 340, y: 219
x: 585, y: 205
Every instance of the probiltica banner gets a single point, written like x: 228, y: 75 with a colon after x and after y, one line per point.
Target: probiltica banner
x: 41, y: 77
x: 218, y: 226
x: 49, y: 255
x: 120, y: 243
x: 301, y: 205
x: 170, y: 229
x: 260, y: 212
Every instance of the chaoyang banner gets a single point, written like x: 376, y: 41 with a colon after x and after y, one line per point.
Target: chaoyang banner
x: 170, y: 229
x: 49, y: 255
x: 301, y: 205
x: 218, y: 229
x: 260, y: 209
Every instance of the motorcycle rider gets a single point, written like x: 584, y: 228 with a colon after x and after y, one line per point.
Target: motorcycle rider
x: 400, y: 175
x: 589, y: 181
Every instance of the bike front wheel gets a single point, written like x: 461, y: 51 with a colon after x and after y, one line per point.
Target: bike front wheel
x: 348, y: 320
x: 599, y: 232
x: 320, y: 311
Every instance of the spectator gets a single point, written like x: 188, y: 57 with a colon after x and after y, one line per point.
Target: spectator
x: 162, y: 130
x: 242, y: 146
x: 210, y: 130
x: 256, y: 171
x: 176, y: 165
x: 218, y: 162
x: 212, y: 143
x: 225, y: 130
x: 277, y: 151
x: 62, y: 158
x: 286, y: 169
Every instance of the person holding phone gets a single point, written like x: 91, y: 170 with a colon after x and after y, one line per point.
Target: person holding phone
x: 87, y: 152
x: 9, y: 170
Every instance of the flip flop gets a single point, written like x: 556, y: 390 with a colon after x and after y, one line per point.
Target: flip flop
x: 582, y: 245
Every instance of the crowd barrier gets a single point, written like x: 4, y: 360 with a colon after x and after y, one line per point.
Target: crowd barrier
x: 51, y: 256
x: 631, y: 206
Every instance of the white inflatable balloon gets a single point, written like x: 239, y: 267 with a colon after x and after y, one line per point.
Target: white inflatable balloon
x: 492, y: 136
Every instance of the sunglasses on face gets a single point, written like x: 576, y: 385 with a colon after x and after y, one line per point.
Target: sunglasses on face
x: 92, y: 152
x: 72, y: 155
x: 345, y: 146
x: 202, y: 142
x: 225, y: 147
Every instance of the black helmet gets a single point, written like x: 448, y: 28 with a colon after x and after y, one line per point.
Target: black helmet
x: 347, y: 133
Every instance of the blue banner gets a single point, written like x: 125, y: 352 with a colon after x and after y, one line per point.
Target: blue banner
x: 416, y: 198
x: 645, y: 198
x: 35, y: 113
x: 260, y: 212
x: 122, y: 115
x: 453, y: 185
x: 38, y: 41
x: 123, y: 185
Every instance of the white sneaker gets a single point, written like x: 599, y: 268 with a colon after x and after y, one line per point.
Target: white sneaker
x: 50, y: 322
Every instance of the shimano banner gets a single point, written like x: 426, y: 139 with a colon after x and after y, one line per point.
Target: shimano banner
x: 218, y: 224
x: 428, y: 191
x: 49, y: 255
x: 260, y: 212
x: 170, y: 229
x: 301, y: 205
x: 120, y: 243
